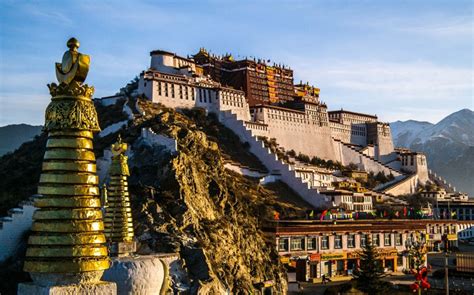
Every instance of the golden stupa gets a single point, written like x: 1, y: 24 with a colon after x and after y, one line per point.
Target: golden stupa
x: 67, y: 233
x: 118, y: 216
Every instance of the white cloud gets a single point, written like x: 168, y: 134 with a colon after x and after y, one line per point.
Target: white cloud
x: 420, y: 79
x: 458, y: 27
x: 423, y: 89
x: 44, y: 12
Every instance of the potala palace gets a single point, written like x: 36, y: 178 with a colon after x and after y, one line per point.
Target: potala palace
x: 261, y: 102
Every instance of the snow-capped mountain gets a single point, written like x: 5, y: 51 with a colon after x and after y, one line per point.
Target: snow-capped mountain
x: 405, y: 132
x: 457, y: 127
x: 449, y: 145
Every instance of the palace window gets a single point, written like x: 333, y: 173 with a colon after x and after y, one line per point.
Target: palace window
x: 387, y: 239
x: 337, y: 241
x: 350, y: 241
x: 172, y: 90
x: 180, y: 92
x: 324, y: 242
x: 159, y: 88
x: 399, y: 259
x: 398, y: 239
x: 311, y: 245
x: 283, y: 244
x: 297, y: 243
x: 166, y: 89
x: 200, y: 95
x: 375, y: 240
x: 193, y: 97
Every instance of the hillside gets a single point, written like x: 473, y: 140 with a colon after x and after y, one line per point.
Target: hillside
x: 12, y: 136
x: 449, y: 145
x: 185, y: 202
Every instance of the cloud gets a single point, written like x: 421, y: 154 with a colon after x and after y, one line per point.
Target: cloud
x: 44, y: 12
x: 459, y: 28
x: 420, y: 79
x: 422, y: 88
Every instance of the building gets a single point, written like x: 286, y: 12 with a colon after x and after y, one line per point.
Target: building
x: 458, y: 210
x: 262, y: 83
x: 451, y: 230
x: 415, y: 162
x: 317, y: 248
x: 350, y: 201
x: 314, y: 248
x: 180, y: 87
x: 258, y: 100
x: 350, y: 127
x: 441, y: 195
x: 315, y: 176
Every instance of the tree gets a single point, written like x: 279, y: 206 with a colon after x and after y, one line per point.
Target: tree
x: 368, y: 275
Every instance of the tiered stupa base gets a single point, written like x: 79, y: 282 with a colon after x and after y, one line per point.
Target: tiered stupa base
x: 98, y: 288
x: 138, y: 275
x: 52, y: 279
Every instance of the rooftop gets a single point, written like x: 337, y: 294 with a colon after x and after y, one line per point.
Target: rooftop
x: 342, y: 111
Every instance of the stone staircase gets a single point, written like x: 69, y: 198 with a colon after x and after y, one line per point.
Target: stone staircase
x: 14, y: 226
x: 440, y: 181
x: 272, y: 163
x: 371, y: 163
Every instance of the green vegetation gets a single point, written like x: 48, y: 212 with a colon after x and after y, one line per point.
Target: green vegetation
x: 275, y: 148
x: 328, y: 164
x: 430, y: 187
x: 375, y: 179
x: 417, y: 201
x: 368, y: 276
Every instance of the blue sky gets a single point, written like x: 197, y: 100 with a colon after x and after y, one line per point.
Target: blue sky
x: 397, y: 59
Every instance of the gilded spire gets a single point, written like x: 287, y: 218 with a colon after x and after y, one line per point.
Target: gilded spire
x: 118, y: 216
x: 74, y: 66
x: 67, y: 236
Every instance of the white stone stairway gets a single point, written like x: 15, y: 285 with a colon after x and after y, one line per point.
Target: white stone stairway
x: 14, y: 226
x: 352, y: 155
x: 440, y: 181
x: 272, y: 163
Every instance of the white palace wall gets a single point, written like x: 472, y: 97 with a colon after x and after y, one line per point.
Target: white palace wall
x: 293, y: 130
x: 182, y: 92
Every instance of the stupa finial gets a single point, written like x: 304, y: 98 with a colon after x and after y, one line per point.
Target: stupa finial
x: 74, y: 65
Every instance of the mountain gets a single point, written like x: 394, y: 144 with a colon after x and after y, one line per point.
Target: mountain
x: 405, y: 132
x: 449, y: 146
x: 12, y: 136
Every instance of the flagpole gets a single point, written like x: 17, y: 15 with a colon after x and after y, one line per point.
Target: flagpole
x: 437, y: 209
x: 449, y: 210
